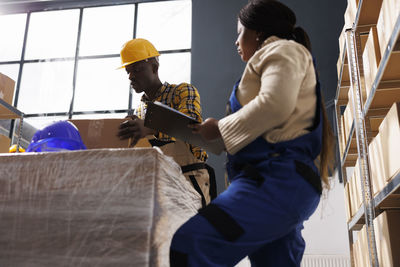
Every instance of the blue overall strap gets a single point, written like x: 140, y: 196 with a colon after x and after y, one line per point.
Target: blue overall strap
x: 260, y: 153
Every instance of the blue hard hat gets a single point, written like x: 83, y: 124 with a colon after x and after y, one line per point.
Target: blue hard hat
x: 59, y: 136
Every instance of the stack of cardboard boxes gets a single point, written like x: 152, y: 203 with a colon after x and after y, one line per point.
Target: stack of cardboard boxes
x: 378, y: 22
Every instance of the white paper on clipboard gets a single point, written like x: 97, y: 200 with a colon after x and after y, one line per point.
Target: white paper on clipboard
x: 174, y: 123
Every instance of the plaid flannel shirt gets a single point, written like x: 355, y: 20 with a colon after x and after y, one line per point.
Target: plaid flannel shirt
x: 183, y: 97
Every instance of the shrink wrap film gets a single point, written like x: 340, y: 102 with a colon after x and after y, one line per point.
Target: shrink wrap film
x: 100, y: 207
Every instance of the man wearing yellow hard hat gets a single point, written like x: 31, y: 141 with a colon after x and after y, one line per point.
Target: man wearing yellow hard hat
x: 140, y: 60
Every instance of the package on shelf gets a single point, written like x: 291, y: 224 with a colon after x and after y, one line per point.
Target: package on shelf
x: 350, y: 13
x: 352, y: 193
x: 363, y: 247
x: 348, y: 121
x: 356, y: 253
x: 387, y: 237
x: 360, y: 249
x: 389, y: 131
x: 102, y: 133
x: 342, y: 136
x: 371, y: 58
x: 345, y: 74
x: 389, y: 13
x: 4, y: 143
x: 347, y: 201
x: 350, y: 104
x: 6, y: 94
x: 101, y: 207
x: 342, y: 39
x: 376, y: 165
x: 356, y: 191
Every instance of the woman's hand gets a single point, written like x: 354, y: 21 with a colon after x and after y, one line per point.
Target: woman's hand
x: 208, y: 129
x: 133, y: 128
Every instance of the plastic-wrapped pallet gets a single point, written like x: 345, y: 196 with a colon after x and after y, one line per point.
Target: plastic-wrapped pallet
x: 106, y: 207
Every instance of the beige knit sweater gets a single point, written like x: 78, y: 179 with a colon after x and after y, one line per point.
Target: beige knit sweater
x: 277, y: 94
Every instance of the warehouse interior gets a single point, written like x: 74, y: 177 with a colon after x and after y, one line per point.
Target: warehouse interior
x: 63, y: 57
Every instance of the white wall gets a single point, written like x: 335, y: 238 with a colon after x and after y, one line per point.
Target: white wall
x: 325, y: 232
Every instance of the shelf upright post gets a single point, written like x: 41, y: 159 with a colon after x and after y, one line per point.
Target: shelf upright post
x: 353, y: 52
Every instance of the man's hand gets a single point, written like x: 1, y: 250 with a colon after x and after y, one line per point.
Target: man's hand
x: 133, y: 128
x: 208, y: 129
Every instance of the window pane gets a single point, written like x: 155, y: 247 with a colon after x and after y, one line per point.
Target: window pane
x: 11, y: 70
x: 46, y: 87
x: 175, y: 68
x: 12, y: 31
x: 135, y: 99
x: 100, y: 86
x: 106, y: 29
x: 52, y: 34
x: 100, y: 116
x: 41, y: 122
x: 166, y: 24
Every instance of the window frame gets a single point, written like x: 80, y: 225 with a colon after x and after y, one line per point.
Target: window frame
x: 29, y: 7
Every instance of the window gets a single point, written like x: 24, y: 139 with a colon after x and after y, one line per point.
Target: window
x: 12, y: 37
x: 52, y: 34
x: 166, y: 24
x: 68, y: 58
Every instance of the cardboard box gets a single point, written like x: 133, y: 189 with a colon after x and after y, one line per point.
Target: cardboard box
x: 350, y: 13
x: 6, y: 94
x: 103, y: 208
x: 389, y: 130
x: 364, y: 255
x: 355, y: 193
x: 102, y: 133
x: 376, y: 167
x: 387, y: 237
x: 348, y: 120
x: 388, y: 15
x: 371, y: 58
x: 4, y: 143
x: 356, y: 253
x: 341, y: 137
x: 394, y: 7
x: 351, y: 194
x: 347, y: 203
x: 358, y: 199
x: 350, y: 103
x: 360, y: 249
x: 342, y: 50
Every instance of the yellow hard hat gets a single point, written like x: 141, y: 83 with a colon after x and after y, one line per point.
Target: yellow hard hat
x: 13, y: 149
x: 136, y: 50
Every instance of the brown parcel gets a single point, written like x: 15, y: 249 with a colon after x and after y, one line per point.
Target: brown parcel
x: 102, y: 133
x: 4, y: 143
x: 6, y: 94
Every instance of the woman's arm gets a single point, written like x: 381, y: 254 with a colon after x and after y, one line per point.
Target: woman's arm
x: 278, y: 70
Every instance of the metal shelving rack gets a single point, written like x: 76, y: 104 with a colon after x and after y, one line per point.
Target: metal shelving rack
x: 13, y: 114
x: 370, y: 205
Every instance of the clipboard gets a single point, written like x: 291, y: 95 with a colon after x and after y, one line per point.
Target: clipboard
x: 174, y: 123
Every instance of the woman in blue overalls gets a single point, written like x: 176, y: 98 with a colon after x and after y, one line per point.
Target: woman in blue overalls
x: 275, y: 133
